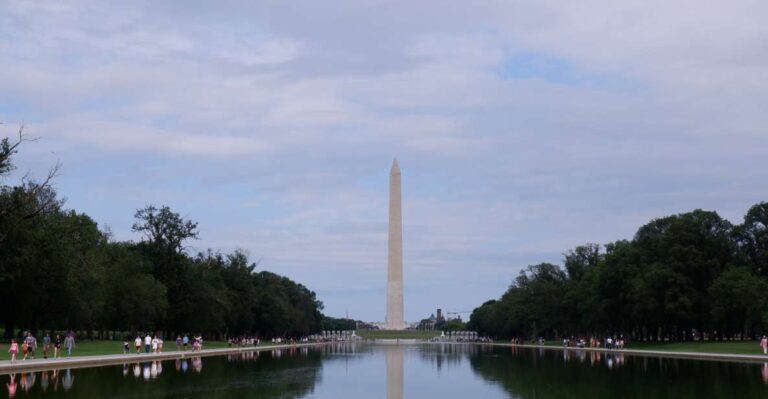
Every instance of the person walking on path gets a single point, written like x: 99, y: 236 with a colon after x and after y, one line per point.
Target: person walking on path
x: 147, y: 343
x: 69, y: 343
x: 137, y: 344
x: 764, y: 345
x: 126, y: 345
x: 46, y: 345
x: 57, y: 346
x: 14, y: 350
x: 24, y: 348
x: 28, y: 346
x: 185, y: 341
x: 178, y: 342
x: 32, y: 343
x: 155, y: 342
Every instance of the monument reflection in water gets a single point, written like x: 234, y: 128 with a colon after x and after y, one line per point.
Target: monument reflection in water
x: 394, y: 358
x: 402, y: 371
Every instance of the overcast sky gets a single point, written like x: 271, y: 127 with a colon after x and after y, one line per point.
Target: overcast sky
x: 522, y: 128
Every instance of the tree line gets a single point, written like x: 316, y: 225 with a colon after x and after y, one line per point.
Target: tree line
x: 682, y: 277
x: 59, y: 270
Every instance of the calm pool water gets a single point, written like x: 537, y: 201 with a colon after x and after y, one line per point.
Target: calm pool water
x: 410, y: 371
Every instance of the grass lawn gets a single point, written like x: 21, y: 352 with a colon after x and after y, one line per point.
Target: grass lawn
x: 732, y: 347
x: 90, y: 348
x: 404, y: 334
x: 727, y: 347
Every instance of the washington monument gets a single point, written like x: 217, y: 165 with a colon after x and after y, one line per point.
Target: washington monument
x: 395, y: 257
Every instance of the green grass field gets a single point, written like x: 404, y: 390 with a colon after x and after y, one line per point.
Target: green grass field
x: 405, y: 334
x: 729, y: 347
x: 90, y: 348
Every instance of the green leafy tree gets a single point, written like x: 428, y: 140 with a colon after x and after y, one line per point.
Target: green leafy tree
x: 163, y: 229
x: 752, y: 237
x: 59, y: 271
x: 739, y: 302
x: 677, y: 278
x: 134, y: 299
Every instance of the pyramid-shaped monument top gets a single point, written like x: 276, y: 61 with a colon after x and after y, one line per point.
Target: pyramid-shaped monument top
x: 395, y: 167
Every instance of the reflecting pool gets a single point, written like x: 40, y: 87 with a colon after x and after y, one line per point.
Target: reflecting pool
x: 401, y: 371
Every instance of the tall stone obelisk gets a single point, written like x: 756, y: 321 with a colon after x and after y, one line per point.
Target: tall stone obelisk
x: 395, y: 256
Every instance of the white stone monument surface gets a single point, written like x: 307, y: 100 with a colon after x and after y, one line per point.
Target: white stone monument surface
x: 394, y: 320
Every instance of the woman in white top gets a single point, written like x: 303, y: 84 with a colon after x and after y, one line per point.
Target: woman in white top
x: 154, y: 344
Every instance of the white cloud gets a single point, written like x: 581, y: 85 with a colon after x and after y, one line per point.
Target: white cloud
x: 275, y: 128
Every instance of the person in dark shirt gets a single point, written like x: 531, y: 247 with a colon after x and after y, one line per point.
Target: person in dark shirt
x: 57, y: 347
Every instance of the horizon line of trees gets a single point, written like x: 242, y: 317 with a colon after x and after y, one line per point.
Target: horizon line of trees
x: 682, y: 277
x: 59, y: 271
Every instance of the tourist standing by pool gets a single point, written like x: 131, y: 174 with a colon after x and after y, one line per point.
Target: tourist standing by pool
x: 764, y: 345
x: 69, y: 343
x: 147, y: 343
x: 197, y: 343
x: 137, y: 344
x: 155, y: 343
x: 185, y: 341
x: 178, y: 342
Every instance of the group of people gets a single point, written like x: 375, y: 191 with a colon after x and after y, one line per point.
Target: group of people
x: 154, y: 344
x: 243, y: 341
x: 151, y: 344
x: 608, y: 342
x: 613, y: 342
x: 29, y: 346
x: 196, y: 343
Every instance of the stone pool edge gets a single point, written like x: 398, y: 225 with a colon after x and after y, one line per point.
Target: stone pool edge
x: 722, y: 357
x: 6, y: 367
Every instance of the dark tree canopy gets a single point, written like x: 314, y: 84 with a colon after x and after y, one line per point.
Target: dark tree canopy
x: 164, y: 229
x: 22, y: 203
x: 681, y: 277
x: 59, y: 271
x: 753, y: 238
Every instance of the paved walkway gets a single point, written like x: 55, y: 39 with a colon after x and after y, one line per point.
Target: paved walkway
x: 654, y: 353
x: 6, y: 367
